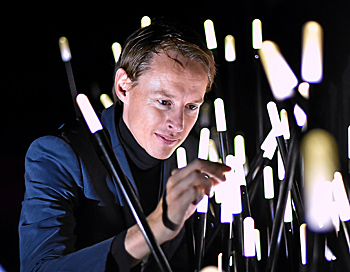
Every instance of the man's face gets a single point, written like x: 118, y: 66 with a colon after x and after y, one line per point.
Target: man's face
x: 163, y: 107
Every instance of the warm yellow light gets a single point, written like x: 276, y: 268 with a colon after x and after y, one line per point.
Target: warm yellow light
x: 210, y: 269
x: 220, y: 115
x: 304, y: 89
x: 64, y: 48
x: 312, y: 52
x: 257, y: 34
x: 230, y: 48
x: 213, y: 152
x: 117, y: 50
x: 280, y: 76
x: 181, y: 157
x: 320, y: 162
x: 210, y: 34
x: 145, y: 21
x: 106, y: 101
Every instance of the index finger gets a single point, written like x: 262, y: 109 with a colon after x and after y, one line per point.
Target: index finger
x: 212, y: 169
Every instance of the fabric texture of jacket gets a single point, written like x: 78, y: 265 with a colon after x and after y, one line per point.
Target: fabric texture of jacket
x: 73, y: 211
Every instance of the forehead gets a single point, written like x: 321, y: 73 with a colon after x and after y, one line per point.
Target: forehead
x: 175, y: 72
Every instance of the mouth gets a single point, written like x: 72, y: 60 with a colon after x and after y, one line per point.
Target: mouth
x: 168, y: 140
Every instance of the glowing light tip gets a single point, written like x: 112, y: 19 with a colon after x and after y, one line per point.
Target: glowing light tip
x: 106, y: 101
x: 312, y: 52
x: 248, y: 237
x: 304, y: 89
x: 116, y: 49
x: 181, y: 157
x: 230, y: 48
x: 239, y: 144
x: 145, y: 21
x: 257, y: 34
x: 203, y: 150
x: 280, y: 76
x: 274, y: 118
x: 220, y: 115
x: 88, y: 112
x: 64, y: 48
x: 210, y: 34
x: 269, y: 191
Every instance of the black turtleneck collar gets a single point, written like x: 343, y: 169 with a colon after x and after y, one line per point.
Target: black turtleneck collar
x: 136, y: 153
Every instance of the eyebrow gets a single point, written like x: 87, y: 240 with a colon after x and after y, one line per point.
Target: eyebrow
x: 170, y: 96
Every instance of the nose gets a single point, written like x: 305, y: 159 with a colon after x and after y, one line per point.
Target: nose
x: 175, y: 120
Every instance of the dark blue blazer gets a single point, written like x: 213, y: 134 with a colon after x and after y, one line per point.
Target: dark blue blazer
x: 72, y: 210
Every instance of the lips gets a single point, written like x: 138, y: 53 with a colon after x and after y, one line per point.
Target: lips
x: 166, y: 139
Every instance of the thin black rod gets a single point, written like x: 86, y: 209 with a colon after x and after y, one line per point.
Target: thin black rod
x: 200, y: 248
x: 296, y: 196
x: 281, y: 205
x: 111, y: 163
x: 72, y: 87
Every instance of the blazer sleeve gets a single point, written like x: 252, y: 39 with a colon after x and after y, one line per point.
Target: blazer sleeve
x: 53, y: 183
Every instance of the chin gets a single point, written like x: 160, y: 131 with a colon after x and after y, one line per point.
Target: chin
x: 161, y: 154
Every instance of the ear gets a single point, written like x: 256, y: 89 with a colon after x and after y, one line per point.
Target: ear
x: 122, y: 85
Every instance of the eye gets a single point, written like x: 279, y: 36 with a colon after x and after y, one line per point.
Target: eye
x: 164, y: 102
x: 192, y: 107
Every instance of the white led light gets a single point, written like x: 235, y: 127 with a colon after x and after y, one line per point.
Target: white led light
x: 285, y: 124
x: 145, y: 21
x: 239, y: 145
x: 269, y: 145
x: 269, y: 191
x: 257, y: 34
x: 274, y: 119
x: 288, y: 213
x: 312, y: 52
x: 203, y: 149
x: 300, y: 115
x: 303, y: 251
x: 257, y: 244
x: 210, y: 34
x: 341, y: 198
x: 89, y: 114
x: 230, y: 48
x: 220, y: 115
x: 248, y: 237
x: 181, y: 157
x: 280, y: 76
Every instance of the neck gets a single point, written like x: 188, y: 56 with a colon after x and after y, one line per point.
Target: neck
x: 137, y: 154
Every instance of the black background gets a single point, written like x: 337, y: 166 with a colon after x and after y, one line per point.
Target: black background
x: 35, y: 96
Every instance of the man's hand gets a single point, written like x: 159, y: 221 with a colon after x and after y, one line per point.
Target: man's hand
x: 185, y: 188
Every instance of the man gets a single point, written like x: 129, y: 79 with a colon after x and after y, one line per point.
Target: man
x: 73, y: 216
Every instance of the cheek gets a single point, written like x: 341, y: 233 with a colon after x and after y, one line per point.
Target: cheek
x: 189, y: 122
